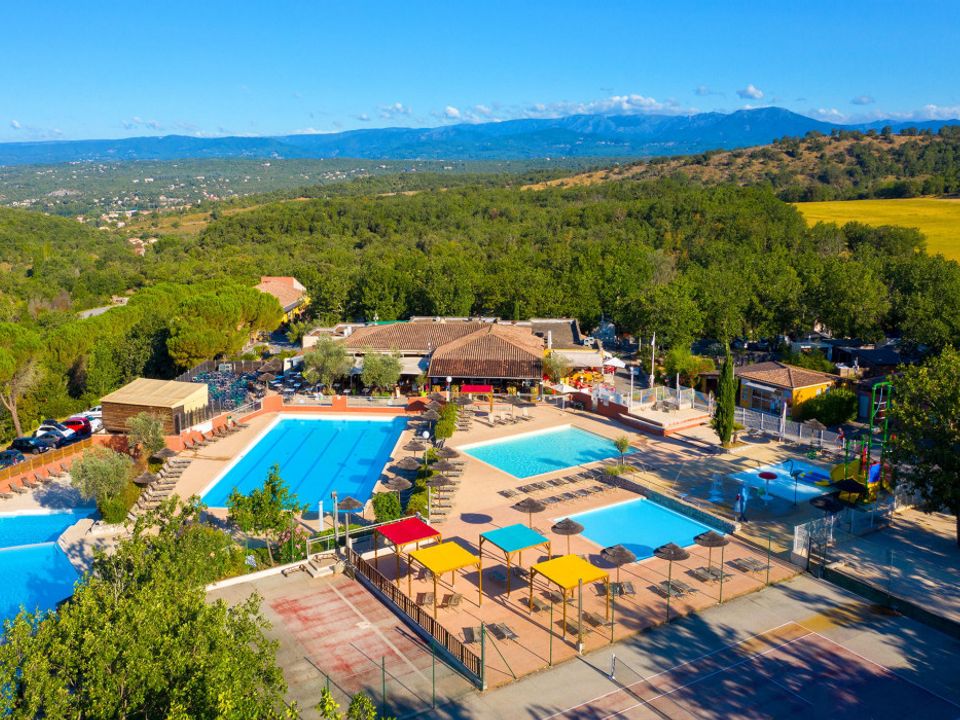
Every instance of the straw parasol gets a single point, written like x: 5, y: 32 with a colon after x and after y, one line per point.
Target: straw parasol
x: 618, y: 555
x: 415, y: 446
x: 567, y: 527
x: 438, y: 396
x: 431, y: 415
x: 443, y: 466
x: 268, y: 377
x: 349, y: 505
x: 439, y: 481
x: 671, y: 552
x: 408, y: 463
x: 530, y: 506
x: 447, y: 453
x: 144, y: 479
x: 397, y: 485
x: 433, y: 405
x: 710, y: 540
x: 463, y: 400
x: 164, y: 453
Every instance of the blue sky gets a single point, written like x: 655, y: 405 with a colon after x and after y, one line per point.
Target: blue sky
x: 108, y: 69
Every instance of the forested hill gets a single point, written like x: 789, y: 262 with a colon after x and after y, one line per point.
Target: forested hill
x: 845, y: 165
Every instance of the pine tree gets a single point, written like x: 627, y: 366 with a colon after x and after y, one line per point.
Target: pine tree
x: 723, y: 418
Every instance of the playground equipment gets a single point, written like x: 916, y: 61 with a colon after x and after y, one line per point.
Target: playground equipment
x: 865, y: 457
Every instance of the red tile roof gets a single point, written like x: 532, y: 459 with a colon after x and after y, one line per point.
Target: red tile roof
x: 287, y: 290
x: 782, y: 375
x: 494, y: 351
x: 411, y: 337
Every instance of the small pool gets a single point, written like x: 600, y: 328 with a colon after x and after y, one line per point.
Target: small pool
x: 640, y: 525
x: 316, y: 456
x: 543, y: 451
x: 36, y: 573
x: 783, y: 486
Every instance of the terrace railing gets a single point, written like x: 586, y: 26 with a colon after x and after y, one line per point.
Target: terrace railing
x: 467, y: 661
x: 32, y: 463
x: 788, y: 430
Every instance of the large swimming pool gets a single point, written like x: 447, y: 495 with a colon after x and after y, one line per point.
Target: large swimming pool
x: 316, y: 456
x: 543, y: 451
x: 783, y: 485
x: 640, y: 525
x: 36, y: 573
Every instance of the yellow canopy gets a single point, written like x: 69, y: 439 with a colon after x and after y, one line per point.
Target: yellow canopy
x: 567, y: 571
x: 445, y: 557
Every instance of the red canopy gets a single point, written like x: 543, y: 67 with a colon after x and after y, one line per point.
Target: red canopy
x: 476, y: 388
x: 406, y: 531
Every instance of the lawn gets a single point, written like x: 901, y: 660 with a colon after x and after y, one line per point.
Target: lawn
x: 938, y: 219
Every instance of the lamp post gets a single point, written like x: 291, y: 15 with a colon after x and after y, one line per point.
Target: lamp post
x: 336, y: 529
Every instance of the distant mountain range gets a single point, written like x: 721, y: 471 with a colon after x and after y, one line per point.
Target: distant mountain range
x: 572, y: 136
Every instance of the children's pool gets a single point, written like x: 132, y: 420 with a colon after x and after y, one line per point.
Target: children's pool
x: 36, y: 573
x: 316, y: 456
x: 543, y: 451
x: 640, y: 525
x: 782, y: 486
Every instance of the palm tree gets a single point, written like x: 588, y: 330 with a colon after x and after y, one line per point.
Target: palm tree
x: 622, y: 444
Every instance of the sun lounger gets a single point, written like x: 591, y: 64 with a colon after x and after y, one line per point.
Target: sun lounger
x: 628, y: 588
x: 471, y: 635
x: 42, y: 479
x: 594, y: 619
x: 536, y: 604
x: 6, y: 495
x: 497, y: 574
x: 702, y: 575
x: 681, y: 588
x: 502, y: 631
x: 573, y: 626
x: 569, y: 496
x: 555, y: 482
x: 508, y: 493
x: 19, y: 489
x: 749, y: 564
x: 556, y: 597
x: 425, y: 598
x: 552, y: 500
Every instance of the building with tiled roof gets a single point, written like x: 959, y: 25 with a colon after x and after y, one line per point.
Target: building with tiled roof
x: 288, y: 291
x: 494, y: 352
x: 767, y: 386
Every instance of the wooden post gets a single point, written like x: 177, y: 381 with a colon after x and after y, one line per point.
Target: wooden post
x: 434, y: 596
x: 480, y: 580
x: 507, y: 555
x: 409, y: 577
x: 564, y: 599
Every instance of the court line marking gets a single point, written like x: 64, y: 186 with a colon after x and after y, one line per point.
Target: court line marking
x: 754, y: 656
x: 888, y: 670
x: 679, y: 665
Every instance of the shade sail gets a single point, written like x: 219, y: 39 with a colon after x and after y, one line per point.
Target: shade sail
x: 406, y: 531
x: 567, y: 571
x: 514, y: 538
x: 445, y: 557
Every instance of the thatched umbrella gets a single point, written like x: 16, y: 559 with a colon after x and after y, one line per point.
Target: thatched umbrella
x: 711, y: 539
x: 618, y: 555
x: 439, y: 481
x: 164, y: 453
x: 671, y: 552
x: 415, y: 446
x: 433, y: 405
x: 144, y: 479
x: 567, y: 527
x: 349, y: 505
x: 397, y: 485
x: 447, y: 453
x: 268, y: 378
x: 463, y: 400
x: 409, y: 463
x: 438, y: 396
x: 530, y: 506
x: 431, y: 415
x: 443, y: 466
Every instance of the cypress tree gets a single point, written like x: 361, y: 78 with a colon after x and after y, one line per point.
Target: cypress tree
x: 723, y: 417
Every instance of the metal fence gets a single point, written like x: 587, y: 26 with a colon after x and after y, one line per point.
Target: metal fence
x: 470, y: 662
x: 32, y: 463
x: 682, y: 396
x: 785, y: 429
x: 184, y: 420
x: 235, y: 366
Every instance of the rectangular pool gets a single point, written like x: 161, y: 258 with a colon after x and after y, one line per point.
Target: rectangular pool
x: 783, y: 486
x: 316, y: 456
x: 543, y: 451
x: 640, y: 525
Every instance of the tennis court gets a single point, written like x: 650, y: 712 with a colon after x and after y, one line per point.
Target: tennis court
x: 787, y: 672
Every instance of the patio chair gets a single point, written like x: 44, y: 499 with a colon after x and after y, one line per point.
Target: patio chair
x: 702, y: 574
x: 508, y: 493
x: 595, y: 619
x: 471, y: 635
x: 29, y: 483
x: 628, y: 588
x: 425, y: 598
x: 19, y: 489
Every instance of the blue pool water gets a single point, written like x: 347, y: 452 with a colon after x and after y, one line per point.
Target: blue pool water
x: 316, y: 456
x: 640, y: 525
x: 34, y: 570
x: 35, y: 577
x: 783, y: 486
x: 542, y: 452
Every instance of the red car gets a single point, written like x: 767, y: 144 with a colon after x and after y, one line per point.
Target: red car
x: 80, y: 425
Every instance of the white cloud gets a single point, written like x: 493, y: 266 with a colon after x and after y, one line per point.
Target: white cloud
x: 829, y: 115
x: 863, y: 100
x: 750, y: 92
x: 138, y: 122
x: 482, y: 110
x: 363, y: 117
x: 397, y: 109
x: 15, y: 124
x: 311, y: 131
x: 451, y: 113
x: 633, y: 104
x: 705, y: 90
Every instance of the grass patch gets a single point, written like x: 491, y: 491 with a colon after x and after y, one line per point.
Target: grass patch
x: 936, y: 218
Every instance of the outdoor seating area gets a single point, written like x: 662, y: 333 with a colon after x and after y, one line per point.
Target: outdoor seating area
x: 227, y: 389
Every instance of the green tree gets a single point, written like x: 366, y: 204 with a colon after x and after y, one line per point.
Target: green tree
x: 622, y: 443
x: 268, y: 511
x: 20, y: 351
x: 556, y: 367
x: 723, y: 421
x: 296, y: 329
x: 386, y: 507
x: 831, y: 408
x: 380, y: 370
x: 140, y: 639
x: 325, y: 362
x: 146, y: 432
x: 925, y: 439
x: 104, y: 476
x: 689, y: 366
x: 447, y: 424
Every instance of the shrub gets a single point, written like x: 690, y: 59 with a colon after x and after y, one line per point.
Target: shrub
x: 386, y: 507
x: 447, y: 422
x: 832, y: 408
x: 114, y: 509
x: 146, y: 430
x: 104, y: 476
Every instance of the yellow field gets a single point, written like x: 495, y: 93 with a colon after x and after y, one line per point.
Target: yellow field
x: 938, y: 219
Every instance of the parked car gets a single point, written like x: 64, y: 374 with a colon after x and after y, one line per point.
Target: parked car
x: 58, y: 438
x: 30, y: 445
x: 81, y: 426
x: 95, y: 412
x: 50, y: 423
x: 10, y: 457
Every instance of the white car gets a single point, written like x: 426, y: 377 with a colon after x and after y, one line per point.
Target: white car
x: 54, y: 429
x: 95, y: 412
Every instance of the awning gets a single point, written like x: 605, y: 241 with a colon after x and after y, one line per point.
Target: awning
x: 567, y: 572
x: 614, y: 362
x: 447, y: 557
x: 581, y: 358
x: 402, y: 533
x: 513, y: 539
x: 758, y: 386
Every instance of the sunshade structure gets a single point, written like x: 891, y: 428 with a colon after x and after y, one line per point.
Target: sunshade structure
x: 164, y: 453
x: 144, y: 479
x: 400, y: 534
x: 829, y: 503
x: 513, y: 539
x: 445, y: 557
x: 431, y: 415
x: 437, y: 396
x: 529, y: 506
x: 443, y: 466
x: 415, y: 446
x: 397, y: 485
x: 433, y: 405
x: 671, y: 552
x: 447, y: 453
x: 463, y: 400
x: 618, y: 555
x: 409, y: 463
x: 268, y: 377
x: 567, y: 572
x: 711, y: 539
x: 567, y: 527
